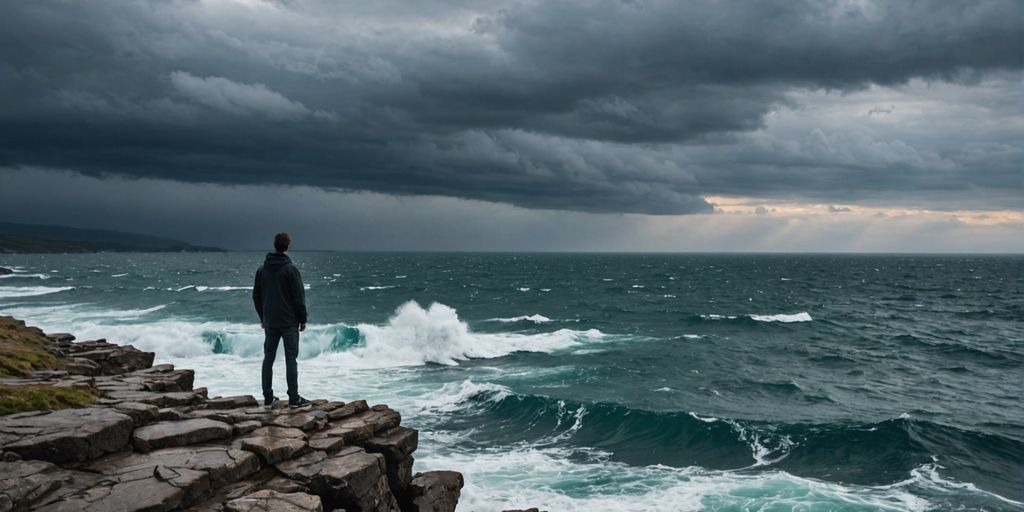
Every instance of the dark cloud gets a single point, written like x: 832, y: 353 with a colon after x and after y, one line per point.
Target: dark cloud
x: 598, y: 106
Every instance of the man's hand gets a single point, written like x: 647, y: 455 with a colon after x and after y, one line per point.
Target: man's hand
x: 302, y: 327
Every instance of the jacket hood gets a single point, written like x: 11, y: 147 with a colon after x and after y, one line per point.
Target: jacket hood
x: 276, y: 260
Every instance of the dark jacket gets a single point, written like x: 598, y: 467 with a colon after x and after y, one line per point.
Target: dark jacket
x: 278, y: 294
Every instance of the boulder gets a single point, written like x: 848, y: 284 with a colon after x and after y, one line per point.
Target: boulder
x: 395, y: 444
x: 276, y: 501
x: 66, y: 435
x: 274, y: 444
x: 178, y: 433
x: 434, y: 491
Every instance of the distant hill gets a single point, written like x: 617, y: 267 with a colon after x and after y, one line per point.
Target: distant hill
x: 37, y: 238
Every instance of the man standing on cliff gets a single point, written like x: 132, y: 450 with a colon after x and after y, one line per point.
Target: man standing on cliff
x: 280, y: 301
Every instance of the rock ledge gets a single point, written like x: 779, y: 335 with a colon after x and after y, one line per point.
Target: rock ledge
x: 152, y: 442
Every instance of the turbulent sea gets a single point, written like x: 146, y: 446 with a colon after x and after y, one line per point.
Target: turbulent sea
x: 617, y: 382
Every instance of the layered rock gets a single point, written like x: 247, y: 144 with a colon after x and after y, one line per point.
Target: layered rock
x: 153, y: 442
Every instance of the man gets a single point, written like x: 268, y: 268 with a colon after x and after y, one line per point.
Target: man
x: 280, y: 301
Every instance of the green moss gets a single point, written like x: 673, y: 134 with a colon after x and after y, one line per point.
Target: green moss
x: 23, y: 349
x: 36, y: 398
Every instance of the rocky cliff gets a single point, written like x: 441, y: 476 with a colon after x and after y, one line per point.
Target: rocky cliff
x: 152, y: 442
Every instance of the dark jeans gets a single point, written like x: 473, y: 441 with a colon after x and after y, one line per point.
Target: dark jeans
x: 290, y: 335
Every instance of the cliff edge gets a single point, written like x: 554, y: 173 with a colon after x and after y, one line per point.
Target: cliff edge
x: 140, y: 437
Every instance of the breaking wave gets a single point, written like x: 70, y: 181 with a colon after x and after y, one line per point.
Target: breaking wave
x: 413, y: 336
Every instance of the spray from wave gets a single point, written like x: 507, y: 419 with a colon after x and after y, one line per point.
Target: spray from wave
x: 413, y: 336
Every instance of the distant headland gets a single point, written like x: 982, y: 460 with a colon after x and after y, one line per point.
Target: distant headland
x: 39, y: 238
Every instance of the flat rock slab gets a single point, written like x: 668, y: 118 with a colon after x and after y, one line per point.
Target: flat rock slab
x: 169, y: 399
x: 142, y: 414
x: 149, y: 490
x: 222, y: 464
x: 244, y: 427
x: 274, y: 444
x: 179, y: 433
x: 435, y: 491
x: 231, y: 402
x: 348, y: 409
x: 306, y: 420
x: 66, y: 435
x: 24, y: 484
x: 275, y: 501
x: 168, y: 479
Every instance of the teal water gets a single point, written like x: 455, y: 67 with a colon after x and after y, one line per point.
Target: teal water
x: 618, y: 382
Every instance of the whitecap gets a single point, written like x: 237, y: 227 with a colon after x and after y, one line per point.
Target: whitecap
x: 523, y: 289
x: 718, y: 317
x: 8, y: 292
x: 21, y: 275
x: 364, y: 288
x: 797, y: 317
x: 537, y: 319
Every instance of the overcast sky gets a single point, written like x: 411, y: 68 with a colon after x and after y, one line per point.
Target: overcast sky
x: 520, y: 125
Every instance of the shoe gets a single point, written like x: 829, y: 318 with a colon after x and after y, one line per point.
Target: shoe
x: 298, y: 402
x: 269, y: 402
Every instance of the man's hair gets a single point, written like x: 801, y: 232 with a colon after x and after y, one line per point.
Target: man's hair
x: 281, y: 242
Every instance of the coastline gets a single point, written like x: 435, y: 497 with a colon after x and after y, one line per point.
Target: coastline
x: 151, y: 441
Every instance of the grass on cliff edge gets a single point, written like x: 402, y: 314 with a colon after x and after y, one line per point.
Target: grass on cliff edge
x: 37, y: 398
x: 22, y: 351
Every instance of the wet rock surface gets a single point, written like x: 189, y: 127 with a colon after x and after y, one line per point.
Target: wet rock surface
x: 66, y: 435
x: 178, y: 433
x: 268, y: 500
x: 152, y: 442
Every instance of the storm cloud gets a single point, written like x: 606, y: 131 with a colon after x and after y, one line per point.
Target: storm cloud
x: 593, y: 106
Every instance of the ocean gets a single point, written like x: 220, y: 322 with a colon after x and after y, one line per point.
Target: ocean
x: 597, y: 382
